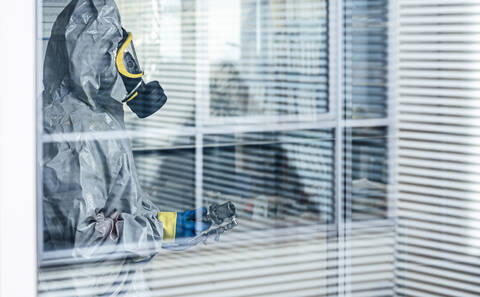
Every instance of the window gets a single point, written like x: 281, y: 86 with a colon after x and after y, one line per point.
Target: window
x: 280, y: 106
x: 344, y: 131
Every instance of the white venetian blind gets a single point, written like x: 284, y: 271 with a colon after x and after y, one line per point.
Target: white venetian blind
x: 438, y: 210
x: 296, y: 262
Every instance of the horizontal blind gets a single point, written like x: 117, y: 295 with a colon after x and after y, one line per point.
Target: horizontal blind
x: 370, y: 261
x: 260, y: 264
x: 438, y: 211
x: 257, y: 264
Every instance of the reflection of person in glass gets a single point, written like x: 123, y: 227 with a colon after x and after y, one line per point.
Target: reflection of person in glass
x: 93, y: 205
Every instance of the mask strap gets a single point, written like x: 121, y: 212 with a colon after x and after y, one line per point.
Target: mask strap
x: 119, y: 60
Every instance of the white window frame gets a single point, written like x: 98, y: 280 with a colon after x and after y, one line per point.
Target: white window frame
x: 18, y: 275
x: 333, y: 119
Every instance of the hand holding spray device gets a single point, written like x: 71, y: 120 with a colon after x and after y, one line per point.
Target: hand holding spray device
x: 223, y: 217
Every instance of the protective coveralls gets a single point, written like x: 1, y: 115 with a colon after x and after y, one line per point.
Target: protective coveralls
x: 93, y: 205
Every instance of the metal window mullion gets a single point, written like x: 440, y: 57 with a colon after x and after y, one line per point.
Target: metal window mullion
x: 39, y: 131
x: 190, y: 131
x: 366, y: 123
x: 336, y: 72
x: 201, y: 95
x: 393, y: 47
x: 280, y: 119
x: 392, y: 149
x: 346, y: 132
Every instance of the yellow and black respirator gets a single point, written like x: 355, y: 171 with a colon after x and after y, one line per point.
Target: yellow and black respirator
x: 143, y: 99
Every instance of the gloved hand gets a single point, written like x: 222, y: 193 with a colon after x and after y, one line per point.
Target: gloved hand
x: 178, y: 225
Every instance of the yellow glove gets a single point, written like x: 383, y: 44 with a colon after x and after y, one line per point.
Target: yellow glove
x: 177, y: 225
x: 169, y: 221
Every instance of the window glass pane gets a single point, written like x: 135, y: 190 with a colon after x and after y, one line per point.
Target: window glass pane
x: 248, y: 120
x: 168, y: 176
x: 366, y: 57
x: 281, y: 54
x: 277, y: 179
x: 238, y: 58
x: 366, y: 173
x: 164, y: 33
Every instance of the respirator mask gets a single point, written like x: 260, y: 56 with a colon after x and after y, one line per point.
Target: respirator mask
x: 143, y: 99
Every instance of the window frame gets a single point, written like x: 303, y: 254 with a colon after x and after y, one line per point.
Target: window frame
x: 333, y: 119
x: 18, y: 241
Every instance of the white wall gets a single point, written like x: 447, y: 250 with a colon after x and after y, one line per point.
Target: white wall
x: 17, y: 150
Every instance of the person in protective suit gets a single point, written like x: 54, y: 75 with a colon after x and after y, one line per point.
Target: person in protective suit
x: 93, y: 205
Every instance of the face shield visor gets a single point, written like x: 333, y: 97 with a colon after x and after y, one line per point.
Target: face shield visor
x: 129, y: 67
